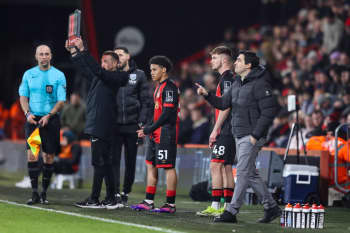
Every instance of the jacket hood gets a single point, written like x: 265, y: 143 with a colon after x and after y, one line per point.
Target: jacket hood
x: 256, y: 72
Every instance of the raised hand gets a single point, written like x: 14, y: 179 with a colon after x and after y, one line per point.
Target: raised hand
x: 201, y: 90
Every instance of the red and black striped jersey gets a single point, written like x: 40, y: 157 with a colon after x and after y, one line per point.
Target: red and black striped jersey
x: 166, y: 98
x: 225, y: 83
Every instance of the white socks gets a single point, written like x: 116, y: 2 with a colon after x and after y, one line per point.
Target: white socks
x: 215, y: 205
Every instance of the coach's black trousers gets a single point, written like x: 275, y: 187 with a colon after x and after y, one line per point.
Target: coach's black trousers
x: 130, y: 148
x: 102, y: 163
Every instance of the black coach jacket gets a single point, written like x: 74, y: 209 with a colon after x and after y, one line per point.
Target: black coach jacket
x: 253, y: 105
x: 133, y: 100
x: 100, y: 101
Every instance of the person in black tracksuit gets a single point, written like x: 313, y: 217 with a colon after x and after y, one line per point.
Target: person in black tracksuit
x: 132, y: 107
x: 100, y: 115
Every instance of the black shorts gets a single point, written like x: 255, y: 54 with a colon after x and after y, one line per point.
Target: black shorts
x: 224, y: 150
x: 161, y: 155
x: 49, y: 134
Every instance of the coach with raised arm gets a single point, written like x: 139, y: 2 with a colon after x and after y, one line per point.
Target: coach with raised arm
x: 253, y: 110
x: 105, y: 81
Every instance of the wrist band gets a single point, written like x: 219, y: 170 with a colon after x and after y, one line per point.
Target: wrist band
x: 27, y: 114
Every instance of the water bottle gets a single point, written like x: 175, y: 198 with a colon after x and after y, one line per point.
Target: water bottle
x: 305, y: 216
x: 314, y: 211
x: 288, y: 215
x: 297, y: 216
x: 321, y: 213
x: 282, y: 219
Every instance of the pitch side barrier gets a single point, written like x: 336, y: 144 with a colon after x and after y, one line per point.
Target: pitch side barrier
x: 192, y: 164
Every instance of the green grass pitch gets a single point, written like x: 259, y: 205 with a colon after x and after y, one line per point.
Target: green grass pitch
x: 21, y: 219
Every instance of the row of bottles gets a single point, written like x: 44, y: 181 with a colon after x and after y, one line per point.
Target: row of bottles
x: 298, y: 216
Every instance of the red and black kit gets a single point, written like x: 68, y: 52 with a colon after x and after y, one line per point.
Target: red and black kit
x: 164, y: 130
x: 224, y: 148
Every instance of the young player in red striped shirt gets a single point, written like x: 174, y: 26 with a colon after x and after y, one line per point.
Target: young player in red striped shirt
x: 161, y: 152
x: 221, y: 139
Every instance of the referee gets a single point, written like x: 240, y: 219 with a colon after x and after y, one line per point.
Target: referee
x: 42, y: 95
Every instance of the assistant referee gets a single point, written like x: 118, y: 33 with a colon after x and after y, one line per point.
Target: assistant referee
x: 42, y: 95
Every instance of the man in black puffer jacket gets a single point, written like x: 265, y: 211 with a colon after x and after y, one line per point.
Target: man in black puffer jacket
x: 132, y: 107
x: 253, y: 110
x: 105, y: 81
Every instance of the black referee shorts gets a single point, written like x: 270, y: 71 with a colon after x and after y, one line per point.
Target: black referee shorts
x: 49, y: 134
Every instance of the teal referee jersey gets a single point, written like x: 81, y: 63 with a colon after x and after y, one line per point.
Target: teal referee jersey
x: 44, y: 88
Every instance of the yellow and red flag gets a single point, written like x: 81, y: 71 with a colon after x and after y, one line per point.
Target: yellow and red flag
x: 34, y: 142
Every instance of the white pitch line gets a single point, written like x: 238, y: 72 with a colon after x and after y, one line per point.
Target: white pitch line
x: 92, y: 217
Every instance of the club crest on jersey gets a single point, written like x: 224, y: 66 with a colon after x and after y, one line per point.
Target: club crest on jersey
x: 169, y: 96
x: 156, y: 106
x: 132, y: 79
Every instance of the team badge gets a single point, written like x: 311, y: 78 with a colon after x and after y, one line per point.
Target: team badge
x: 132, y: 79
x: 156, y: 106
x: 49, y: 89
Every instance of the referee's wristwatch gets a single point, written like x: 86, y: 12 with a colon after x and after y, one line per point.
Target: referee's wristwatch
x: 27, y: 113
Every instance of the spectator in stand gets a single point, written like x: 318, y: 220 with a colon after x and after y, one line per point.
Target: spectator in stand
x: 346, y: 97
x: 73, y: 115
x: 200, y: 127
x: 325, y: 104
x: 335, y: 73
x: 317, y: 119
x: 185, y: 126
x: 345, y: 41
x: 210, y: 81
x: 332, y: 30
x: 344, y: 80
x: 69, y: 158
x: 279, y: 132
x: 344, y: 59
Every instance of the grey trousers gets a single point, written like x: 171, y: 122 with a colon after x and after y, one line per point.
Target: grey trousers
x: 248, y: 176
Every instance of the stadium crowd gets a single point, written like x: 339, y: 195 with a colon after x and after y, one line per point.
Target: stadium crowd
x: 308, y: 56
